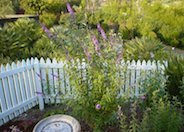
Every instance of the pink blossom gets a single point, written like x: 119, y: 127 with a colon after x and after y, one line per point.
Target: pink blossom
x: 98, y: 106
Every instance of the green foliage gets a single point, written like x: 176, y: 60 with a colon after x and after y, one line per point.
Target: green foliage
x: 154, y: 19
x: 45, y: 48
x: 99, y: 86
x: 96, y: 83
x: 155, y: 82
x: 17, y: 38
x: 6, y: 7
x: 133, y: 127
x: 164, y: 21
x: 175, y: 72
x: 143, y: 49
x: 49, y: 6
x: 165, y: 116
x: 48, y: 19
x: 159, y: 115
x: 33, y: 6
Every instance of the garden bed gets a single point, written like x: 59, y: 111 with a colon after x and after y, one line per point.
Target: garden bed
x: 26, y: 121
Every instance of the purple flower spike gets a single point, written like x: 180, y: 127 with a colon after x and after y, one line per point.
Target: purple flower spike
x: 87, y: 54
x: 98, y: 106
x: 47, y: 31
x: 100, y: 29
x: 70, y: 10
x: 95, y: 42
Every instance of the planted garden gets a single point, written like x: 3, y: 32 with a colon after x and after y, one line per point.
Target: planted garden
x: 94, y: 38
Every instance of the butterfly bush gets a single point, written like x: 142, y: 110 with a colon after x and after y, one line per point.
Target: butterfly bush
x: 92, y: 72
x: 96, y: 84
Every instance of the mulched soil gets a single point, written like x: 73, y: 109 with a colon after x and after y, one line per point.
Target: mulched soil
x: 26, y: 121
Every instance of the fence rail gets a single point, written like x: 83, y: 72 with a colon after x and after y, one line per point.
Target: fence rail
x: 28, y: 83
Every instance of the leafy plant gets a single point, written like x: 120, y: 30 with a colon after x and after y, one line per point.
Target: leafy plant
x: 48, y: 19
x: 6, y: 7
x: 33, y: 6
x: 17, y: 38
x: 175, y: 73
x: 143, y: 49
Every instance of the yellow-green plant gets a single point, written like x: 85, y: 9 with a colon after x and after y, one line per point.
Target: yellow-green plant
x: 143, y: 49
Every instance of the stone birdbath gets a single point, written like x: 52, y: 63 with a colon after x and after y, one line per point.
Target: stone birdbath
x: 58, y: 123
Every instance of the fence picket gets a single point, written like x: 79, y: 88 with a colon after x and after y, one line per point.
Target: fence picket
x: 26, y: 82
x: 132, y: 78
x: 61, y: 78
x: 22, y: 87
x: 32, y: 73
x: 38, y: 84
x: 3, y: 101
x: 17, y: 87
x: 30, y: 81
x: 56, y: 82
x: 138, y: 75
x: 50, y: 80
x: 12, y: 89
x: 7, y: 92
x: 44, y: 81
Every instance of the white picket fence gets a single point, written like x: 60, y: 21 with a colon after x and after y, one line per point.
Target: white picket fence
x: 28, y: 83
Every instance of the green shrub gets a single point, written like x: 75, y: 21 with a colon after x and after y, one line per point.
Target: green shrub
x: 143, y: 49
x: 6, y: 7
x: 153, y: 111
x: 155, y: 82
x: 95, y: 99
x: 45, y: 48
x: 162, y: 116
x: 164, y: 21
x: 33, y: 6
x: 175, y: 73
x: 48, y: 19
x: 17, y: 38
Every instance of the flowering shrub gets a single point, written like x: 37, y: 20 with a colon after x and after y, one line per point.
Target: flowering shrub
x: 95, y: 80
x: 96, y: 85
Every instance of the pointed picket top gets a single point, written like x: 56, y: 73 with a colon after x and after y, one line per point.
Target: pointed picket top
x: 8, y: 67
x: 48, y: 61
x: 42, y: 61
x: 133, y: 63
x: 23, y: 63
x: 138, y: 64
x: 28, y: 62
x: 154, y: 62
x: 2, y: 68
x: 32, y: 60
x: 149, y: 65
x: 149, y: 62
x: 13, y: 65
x: 54, y: 61
x: 36, y: 61
x: 18, y: 64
